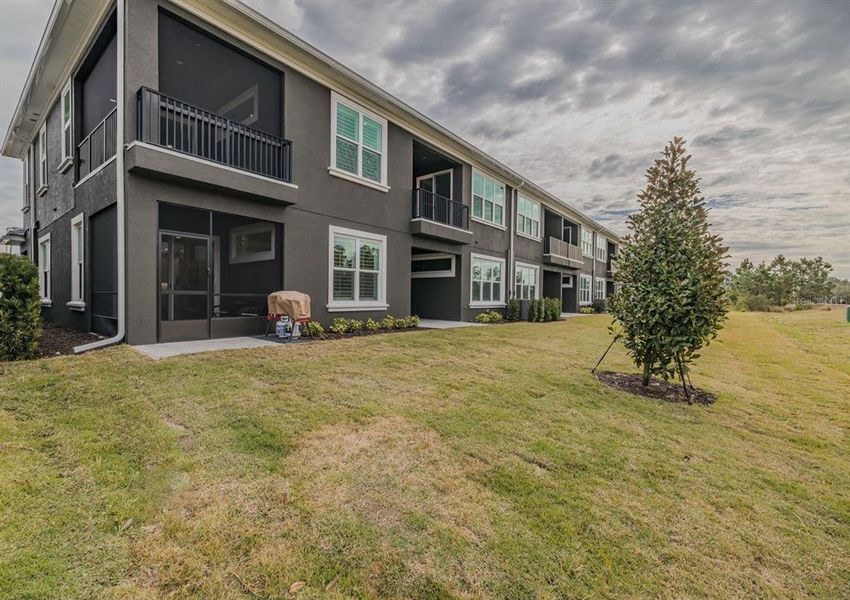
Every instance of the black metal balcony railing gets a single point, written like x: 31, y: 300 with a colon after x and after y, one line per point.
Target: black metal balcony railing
x: 98, y: 146
x: 430, y: 206
x: 170, y: 123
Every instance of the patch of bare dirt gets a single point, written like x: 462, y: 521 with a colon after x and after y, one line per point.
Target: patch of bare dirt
x: 668, y: 391
x: 57, y: 341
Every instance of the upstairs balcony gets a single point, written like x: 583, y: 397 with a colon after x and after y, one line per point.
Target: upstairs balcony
x: 439, y: 217
x: 98, y: 147
x: 559, y: 252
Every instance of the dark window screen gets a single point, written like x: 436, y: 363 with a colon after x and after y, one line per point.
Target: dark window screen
x: 200, y: 70
x: 431, y: 264
x: 99, y: 95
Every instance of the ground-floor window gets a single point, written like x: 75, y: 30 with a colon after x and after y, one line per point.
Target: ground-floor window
x: 599, y: 291
x: 525, y: 281
x: 487, y: 280
x: 584, y: 290
x: 432, y: 265
x: 357, y: 270
x: 78, y: 258
x: 44, y: 286
x: 566, y: 281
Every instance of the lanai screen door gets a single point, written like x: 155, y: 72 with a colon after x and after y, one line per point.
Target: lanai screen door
x: 184, y: 286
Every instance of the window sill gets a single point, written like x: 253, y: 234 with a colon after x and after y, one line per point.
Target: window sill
x: 356, y: 179
x: 487, y: 305
x: 76, y: 305
x: 46, y: 302
x: 25, y: 209
x: 356, y: 307
x: 488, y: 223
x: 41, y: 191
x: 65, y: 164
x: 529, y: 237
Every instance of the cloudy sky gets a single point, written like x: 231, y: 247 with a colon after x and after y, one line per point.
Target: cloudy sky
x: 580, y: 97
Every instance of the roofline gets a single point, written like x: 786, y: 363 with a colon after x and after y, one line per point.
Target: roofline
x: 519, y: 181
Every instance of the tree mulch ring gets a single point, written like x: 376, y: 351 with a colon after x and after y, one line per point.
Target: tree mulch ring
x: 668, y: 391
x: 56, y: 341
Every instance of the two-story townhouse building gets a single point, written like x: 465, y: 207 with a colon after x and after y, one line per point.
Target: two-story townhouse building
x: 182, y: 159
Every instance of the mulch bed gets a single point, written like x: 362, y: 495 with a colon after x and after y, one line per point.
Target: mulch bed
x: 56, y: 341
x: 669, y: 391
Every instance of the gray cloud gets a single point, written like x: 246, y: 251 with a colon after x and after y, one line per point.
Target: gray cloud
x: 580, y: 97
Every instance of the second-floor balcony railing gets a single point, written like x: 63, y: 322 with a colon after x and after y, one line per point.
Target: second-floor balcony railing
x: 430, y: 206
x: 98, y: 146
x: 563, y: 249
x: 170, y: 123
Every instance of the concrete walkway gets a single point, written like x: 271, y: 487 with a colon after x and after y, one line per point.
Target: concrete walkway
x: 571, y: 315
x: 438, y: 324
x: 169, y: 349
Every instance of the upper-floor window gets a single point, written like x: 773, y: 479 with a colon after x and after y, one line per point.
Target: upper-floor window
x: 359, y: 141
x: 357, y: 274
x: 488, y: 199
x: 601, y: 248
x: 27, y: 189
x: 44, y: 286
x: 525, y: 281
x: 67, y: 129
x: 42, y: 159
x: 78, y: 261
x: 584, y: 290
x: 487, y: 280
x: 587, y: 242
x: 528, y: 217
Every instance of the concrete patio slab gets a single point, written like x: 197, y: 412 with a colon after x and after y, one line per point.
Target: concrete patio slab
x: 169, y: 349
x: 438, y: 324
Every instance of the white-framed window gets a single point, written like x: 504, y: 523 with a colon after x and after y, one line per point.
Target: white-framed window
x: 599, y: 289
x: 252, y: 243
x: 44, y: 287
x: 566, y: 281
x: 358, y: 142
x: 27, y: 181
x: 488, y: 199
x: 42, y: 160
x: 601, y: 248
x: 585, y: 294
x: 357, y: 270
x: 525, y: 281
x: 432, y: 265
x: 587, y: 242
x: 78, y: 263
x: 488, y: 281
x: 67, y: 129
x: 528, y: 217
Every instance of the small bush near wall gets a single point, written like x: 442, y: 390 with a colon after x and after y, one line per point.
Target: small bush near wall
x: 586, y: 310
x: 551, y: 309
x: 342, y: 326
x: 20, y: 308
x: 513, y: 309
x: 491, y: 316
x: 600, y: 306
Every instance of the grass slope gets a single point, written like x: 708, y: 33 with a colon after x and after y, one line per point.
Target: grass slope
x: 483, y: 462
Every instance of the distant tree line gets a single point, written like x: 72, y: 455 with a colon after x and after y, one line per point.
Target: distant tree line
x: 779, y: 283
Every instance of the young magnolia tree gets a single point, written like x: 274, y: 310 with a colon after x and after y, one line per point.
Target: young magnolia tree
x: 671, y: 300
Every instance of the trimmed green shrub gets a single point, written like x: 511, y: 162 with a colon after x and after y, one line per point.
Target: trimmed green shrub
x: 372, y: 325
x: 586, y: 310
x: 313, y: 329
x: 600, y: 305
x: 513, y: 309
x: 355, y: 326
x: 388, y: 322
x: 551, y: 309
x: 490, y: 316
x: 20, y: 308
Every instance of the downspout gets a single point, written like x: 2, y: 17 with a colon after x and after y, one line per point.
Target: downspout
x: 119, y: 190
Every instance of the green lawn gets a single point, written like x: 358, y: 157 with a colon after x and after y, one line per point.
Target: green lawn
x: 481, y: 462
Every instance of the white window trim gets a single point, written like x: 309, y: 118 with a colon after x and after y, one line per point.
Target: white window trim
x: 434, y: 174
x: 78, y: 301
x: 343, y: 306
x: 525, y: 234
x: 488, y: 303
x: 603, y: 249
x: 67, y: 153
x: 358, y: 177
x: 582, y: 279
x: 537, y: 282
x: 27, y: 181
x: 252, y: 256
x: 604, y: 286
x: 567, y: 285
x: 481, y: 219
x: 45, y: 294
x: 433, y: 274
x: 42, y: 160
x: 584, y: 250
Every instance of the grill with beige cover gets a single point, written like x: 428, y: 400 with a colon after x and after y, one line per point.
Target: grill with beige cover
x: 295, y: 305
